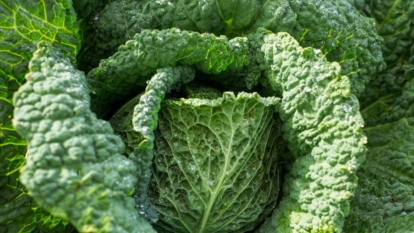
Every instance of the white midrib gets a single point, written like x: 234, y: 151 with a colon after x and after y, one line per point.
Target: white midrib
x: 214, y: 193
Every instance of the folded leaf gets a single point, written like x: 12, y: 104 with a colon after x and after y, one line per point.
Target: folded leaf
x: 135, y: 62
x: 74, y: 167
x: 22, y: 25
x: 323, y: 128
x: 337, y: 28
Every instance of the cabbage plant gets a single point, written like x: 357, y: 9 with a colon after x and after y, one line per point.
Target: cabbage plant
x: 206, y: 116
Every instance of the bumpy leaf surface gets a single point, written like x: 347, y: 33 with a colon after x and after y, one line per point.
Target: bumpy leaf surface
x: 215, y: 163
x: 336, y: 27
x: 384, y: 199
x: 144, y: 122
x: 74, y: 167
x: 322, y: 125
x: 394, y: 23
x: 134, y: 63
x: 106, y: 29
x: 18, y: 211
x: 22, y: 25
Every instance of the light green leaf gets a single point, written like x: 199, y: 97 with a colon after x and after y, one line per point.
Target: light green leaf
x: 144, y: 122
x: 215, y: 163
x: 24, y: 23
x: 323, y: 128
x: 74, y: 164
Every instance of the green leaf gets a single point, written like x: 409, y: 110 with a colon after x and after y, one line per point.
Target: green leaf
x: 135, y: 62
x: 337, y: 28
x: 384, y: 199
x: 25, y: 23
x: 74, y: 164
x: 22, y: 25
x: 323, y: 128
x: 18, y: 211
x: 110, y: 25
x: 144, y: 122
x: 86, y: 8
x: 135, y: 123
x: 215, y: 163
x: 394, y: 23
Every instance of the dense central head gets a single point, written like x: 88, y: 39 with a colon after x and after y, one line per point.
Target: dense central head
x: 215, y: 165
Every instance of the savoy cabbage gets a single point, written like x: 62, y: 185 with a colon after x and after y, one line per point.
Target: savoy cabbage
x: 206, y: 116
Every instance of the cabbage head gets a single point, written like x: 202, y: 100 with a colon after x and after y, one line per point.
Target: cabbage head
x: 215, y: 166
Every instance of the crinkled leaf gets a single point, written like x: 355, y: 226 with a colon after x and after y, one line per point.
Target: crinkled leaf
x: 336, y: 27
x: 215, y: 163
x: 384, y: 200
x: 22, y: 25
x: 135, y: 62
x: 110, y: 25
x: 323, y: 128
x: 74, y: 164
x: 86, y: 8
x: 144, y: 122
x: 18, y: 211
x: 394, y: 23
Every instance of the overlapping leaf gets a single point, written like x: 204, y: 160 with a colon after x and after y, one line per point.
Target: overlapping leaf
x: 384, y: 199
x: 22, y: 25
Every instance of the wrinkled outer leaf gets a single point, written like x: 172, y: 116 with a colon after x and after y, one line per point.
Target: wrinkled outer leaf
x: 106, y: 29
x: 144, y: 122
x: 74, y: 167
x: 394, y: 19
x: 342, y: 33
x: 22, y: 25
x: 215, y: 163
x: 18, y: 210
x: 136, y: 61
x: 384, y: 200
x: 324, y: 131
